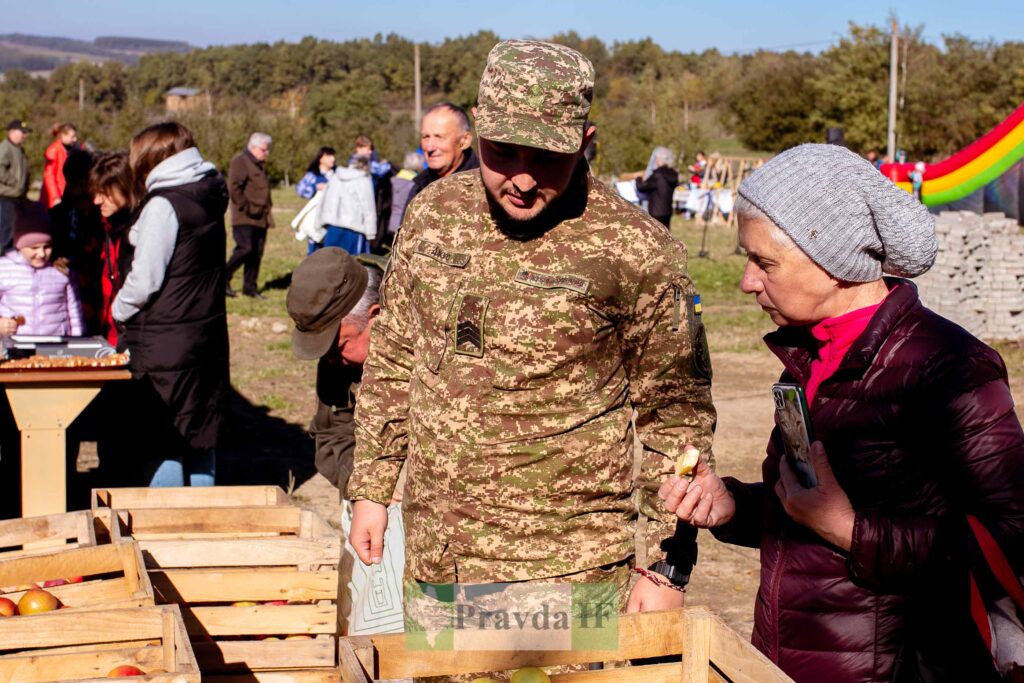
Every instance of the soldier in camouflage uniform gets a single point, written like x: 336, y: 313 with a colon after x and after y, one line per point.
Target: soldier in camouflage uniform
x: 527, y: 311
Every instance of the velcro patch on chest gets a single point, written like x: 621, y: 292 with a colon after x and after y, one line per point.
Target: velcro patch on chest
x: 536, y: 278
x: 469, y: 326
x: 440, y: 254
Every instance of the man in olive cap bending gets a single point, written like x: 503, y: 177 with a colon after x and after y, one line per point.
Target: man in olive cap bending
x: 527, y: 312
x: 334, y: 300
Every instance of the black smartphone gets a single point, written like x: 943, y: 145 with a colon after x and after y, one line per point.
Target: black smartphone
x: 794, y: 420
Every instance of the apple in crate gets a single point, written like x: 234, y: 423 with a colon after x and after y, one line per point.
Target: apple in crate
x: 54, y: 582
x: 125, y: 670
x: 76, y: 579
x: 7, y: 607
x: 529, y: 674
x: 37, y: 601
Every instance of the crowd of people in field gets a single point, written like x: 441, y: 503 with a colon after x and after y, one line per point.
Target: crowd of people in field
x: 516, y: 396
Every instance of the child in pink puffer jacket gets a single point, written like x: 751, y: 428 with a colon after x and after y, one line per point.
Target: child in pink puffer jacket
x: 35, y: 297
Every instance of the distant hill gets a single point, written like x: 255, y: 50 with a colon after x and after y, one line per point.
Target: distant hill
x: 44, y: 53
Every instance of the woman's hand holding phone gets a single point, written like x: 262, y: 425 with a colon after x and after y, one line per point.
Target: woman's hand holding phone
x: 826, y: 510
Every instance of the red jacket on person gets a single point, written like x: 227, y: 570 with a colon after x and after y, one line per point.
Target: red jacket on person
x: 53, y: 174
x: 919, y: 427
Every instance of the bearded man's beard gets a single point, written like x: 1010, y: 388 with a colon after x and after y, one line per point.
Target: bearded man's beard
x: 569, y: 204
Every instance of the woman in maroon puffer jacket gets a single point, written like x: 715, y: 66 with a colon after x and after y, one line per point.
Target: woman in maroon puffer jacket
x: 864, y: 578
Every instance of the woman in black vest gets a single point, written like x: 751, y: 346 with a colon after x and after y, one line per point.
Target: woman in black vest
x: 172, y: 305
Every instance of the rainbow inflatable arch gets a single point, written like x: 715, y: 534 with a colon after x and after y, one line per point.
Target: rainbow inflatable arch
x: 970, y: 169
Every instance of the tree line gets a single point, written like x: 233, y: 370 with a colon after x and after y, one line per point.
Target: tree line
x: 315, y: 92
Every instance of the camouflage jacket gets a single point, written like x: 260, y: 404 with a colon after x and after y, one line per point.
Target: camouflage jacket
x: 506, y: 371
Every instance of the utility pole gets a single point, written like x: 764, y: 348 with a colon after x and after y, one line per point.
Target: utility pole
x: 893, y: 67
x: 418, y: 105
x: 81, y: 94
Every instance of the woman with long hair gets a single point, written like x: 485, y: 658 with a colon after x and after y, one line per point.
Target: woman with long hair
x: 110, y: 184
x: 172, y: 302
x: 65, y: 139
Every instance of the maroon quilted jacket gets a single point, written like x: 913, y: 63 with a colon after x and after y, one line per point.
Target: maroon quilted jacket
x: 919, y: 427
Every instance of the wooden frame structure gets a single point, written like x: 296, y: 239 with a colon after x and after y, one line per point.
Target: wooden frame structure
x: 45, y: 403
x: 711, y: 652
x: 84, y: 647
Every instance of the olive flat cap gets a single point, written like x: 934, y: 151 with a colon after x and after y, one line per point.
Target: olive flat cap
x: 325, y: 287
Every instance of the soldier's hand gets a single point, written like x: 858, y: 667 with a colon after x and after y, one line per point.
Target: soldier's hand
x: 702, y: 501
x: 369, y: 520
x: 647, y: 596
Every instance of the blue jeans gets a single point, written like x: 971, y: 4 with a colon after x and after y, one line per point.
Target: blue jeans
x: 202, y: 468
x: 351, y: 241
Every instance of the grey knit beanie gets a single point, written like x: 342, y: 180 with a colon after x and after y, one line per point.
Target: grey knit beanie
x: 844, y: 214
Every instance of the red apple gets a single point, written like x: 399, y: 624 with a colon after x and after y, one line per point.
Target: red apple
x: 54, y: 582
x: 7, y: 608
x: 276, y: 602
x: 76, y: 579
x: 37, y: 601
x: 125, y: 670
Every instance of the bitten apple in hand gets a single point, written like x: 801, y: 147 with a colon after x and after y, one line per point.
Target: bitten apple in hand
x: 687, y: 461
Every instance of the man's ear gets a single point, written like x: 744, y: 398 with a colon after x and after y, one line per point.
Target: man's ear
x: 373, y: 311
x: 467, y: 140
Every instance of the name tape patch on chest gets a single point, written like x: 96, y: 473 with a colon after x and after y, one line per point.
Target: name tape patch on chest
x: 440, y: 254
x: 535, y: 278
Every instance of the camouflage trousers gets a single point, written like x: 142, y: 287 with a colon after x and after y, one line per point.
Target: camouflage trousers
x: 611, y: 584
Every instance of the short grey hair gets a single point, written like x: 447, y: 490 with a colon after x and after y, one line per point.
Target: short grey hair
x: 259, y: 140
x: 746, y: 210
x: 413, y: 161
x: 360, y: 313
x: 665, y: 155
x: 461, y: 117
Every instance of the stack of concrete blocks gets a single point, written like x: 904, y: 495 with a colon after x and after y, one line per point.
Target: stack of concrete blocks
x: 978, y: 277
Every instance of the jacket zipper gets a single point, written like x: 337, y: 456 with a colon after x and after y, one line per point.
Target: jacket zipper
x: 776, y: 583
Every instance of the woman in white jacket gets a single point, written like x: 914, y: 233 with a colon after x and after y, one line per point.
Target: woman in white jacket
x: 348, y: 211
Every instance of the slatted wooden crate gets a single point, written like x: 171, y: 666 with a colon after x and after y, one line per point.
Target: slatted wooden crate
x: 711, y: 652
x: 112, y: 576
x: 41, y: 535
x: 208, y: 559
x: 187, y: 496
x: 86, y: 646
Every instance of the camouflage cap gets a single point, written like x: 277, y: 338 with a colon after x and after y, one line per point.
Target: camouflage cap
x: 535, y: 94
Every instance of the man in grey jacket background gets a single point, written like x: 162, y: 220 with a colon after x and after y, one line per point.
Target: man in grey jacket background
x: 14, y: 178
x: 249, y: 188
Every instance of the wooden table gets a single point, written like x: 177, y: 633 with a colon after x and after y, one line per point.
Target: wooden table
x: 44, y: 403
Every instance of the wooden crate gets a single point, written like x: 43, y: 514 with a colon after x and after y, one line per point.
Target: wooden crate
x: 207, y: 559
x: 63, y: 646
x: 114, y: 576
x: 40, y: 535
x: 711, y: 652
x: 188, y: 496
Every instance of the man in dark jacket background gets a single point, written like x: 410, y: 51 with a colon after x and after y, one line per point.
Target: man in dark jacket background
x: 334, y: 300
x: 251, y: 207
x: 14, y: 178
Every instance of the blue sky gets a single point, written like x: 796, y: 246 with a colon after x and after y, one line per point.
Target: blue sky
x: 729, y: 25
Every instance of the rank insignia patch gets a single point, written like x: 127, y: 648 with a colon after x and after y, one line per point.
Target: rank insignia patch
x: 469, y: 326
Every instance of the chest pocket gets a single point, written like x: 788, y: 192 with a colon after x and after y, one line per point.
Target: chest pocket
x: 438, y: 273
x: 545, y: 328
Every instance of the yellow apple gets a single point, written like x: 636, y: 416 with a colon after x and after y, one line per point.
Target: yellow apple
x: 687, y: 462
x: 37, y: 601
x: 529, y: 674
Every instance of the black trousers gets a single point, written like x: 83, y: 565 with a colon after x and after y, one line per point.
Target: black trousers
x: 249, y: 243
x: 7, y: 206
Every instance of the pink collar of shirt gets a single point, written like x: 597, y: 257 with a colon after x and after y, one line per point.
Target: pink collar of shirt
x: 835, y: 337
